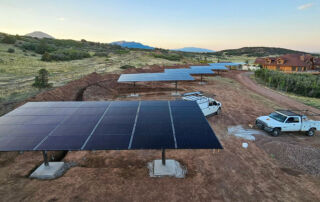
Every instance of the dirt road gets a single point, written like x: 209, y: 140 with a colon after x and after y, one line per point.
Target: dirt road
x: 243, y: 78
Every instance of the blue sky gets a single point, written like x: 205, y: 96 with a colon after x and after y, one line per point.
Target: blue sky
x: 213, y: 24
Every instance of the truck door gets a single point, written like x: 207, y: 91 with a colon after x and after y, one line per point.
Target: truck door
x: 292, y: 124
x: 214, y: 105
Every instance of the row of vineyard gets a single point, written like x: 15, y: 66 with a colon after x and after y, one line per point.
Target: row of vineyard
x: 301, y: 84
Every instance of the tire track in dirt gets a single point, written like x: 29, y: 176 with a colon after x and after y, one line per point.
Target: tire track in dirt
x: 243, y: 78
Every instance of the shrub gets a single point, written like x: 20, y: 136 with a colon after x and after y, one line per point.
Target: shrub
x: 9, y: 39
x: 65, y: 55
x: 101, y: 54
x: 42, y: 80
x: 37, y: 47
x: 121, y: 52
x: 172, y: 57
x: 301, y: 84
x: 29, y: 46
x: 127, y: 67
x: 11, y: 50
x: 44, y: 47
x: 46, y: 57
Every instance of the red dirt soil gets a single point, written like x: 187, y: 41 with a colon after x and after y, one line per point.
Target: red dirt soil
x: 243, y: 78
x: 233, y: 174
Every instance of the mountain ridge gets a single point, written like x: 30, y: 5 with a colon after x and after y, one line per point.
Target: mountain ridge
x: 132, y: 44
x: 40, y: 35
x: 194, y: 50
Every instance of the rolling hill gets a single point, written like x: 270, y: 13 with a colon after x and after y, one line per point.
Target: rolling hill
x: 257, y: 51
x: 40, y: 35
x: 132, y: 44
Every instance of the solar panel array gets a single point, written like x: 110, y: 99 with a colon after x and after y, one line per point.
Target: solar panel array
x: 155, y: 77
x: 220, y: 67
x: 117, y: 125
x: 189, y: 71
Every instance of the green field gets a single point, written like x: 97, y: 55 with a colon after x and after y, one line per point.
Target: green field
x: 18, y: 70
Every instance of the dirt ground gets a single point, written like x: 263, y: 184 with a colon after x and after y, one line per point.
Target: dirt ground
x: 270, y: 169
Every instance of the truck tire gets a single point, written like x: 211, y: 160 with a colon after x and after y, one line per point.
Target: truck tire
x: 218, y: 111
x: 311, y: 132
x: 276, y: 132
x: 260, y: 126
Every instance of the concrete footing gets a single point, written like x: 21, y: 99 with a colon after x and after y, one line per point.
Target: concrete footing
x: 175, y: 94
x: 172, y: 168
x: 52, y: 171
x: 133, y: 95
x: 202, y: 83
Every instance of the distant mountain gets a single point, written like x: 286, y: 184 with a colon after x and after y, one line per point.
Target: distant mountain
x: 39, y: 35
x: 194, y: 50
x: 257, y: 51
x: 132, y: 44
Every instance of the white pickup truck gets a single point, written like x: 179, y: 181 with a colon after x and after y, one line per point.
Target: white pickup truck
x: 287, y: 121
x: 209, y: 106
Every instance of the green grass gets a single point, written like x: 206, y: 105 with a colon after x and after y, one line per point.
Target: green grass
x: 17, y: 70
x: 313, y: 102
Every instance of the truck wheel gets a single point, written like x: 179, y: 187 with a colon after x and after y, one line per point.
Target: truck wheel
x: 218, y: 111
x: 276, y: 132
x: 311, y: 132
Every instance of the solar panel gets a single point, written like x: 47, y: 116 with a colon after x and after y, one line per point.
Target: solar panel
x: 154, y: 77
x: 189, y: 71
x: 202, y: 67
x: 219, y: 67
x: 106, y: 126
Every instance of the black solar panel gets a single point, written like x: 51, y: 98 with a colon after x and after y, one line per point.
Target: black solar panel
x: 144, y: 77
x: 106, y: 125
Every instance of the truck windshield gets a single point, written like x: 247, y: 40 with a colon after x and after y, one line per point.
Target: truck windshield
x: 277, y: 116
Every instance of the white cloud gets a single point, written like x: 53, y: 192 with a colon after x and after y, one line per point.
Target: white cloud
x: 61, y: 19
x: 305, y: 6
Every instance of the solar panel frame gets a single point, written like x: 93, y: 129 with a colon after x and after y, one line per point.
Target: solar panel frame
x: 111, y: 125
x: 148, y: 77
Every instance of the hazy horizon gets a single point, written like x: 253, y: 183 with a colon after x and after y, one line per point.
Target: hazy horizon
x: 215, y: 25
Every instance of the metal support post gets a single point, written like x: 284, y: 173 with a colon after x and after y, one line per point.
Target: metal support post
x: 134, y: 88
x: 163, y: 157
x: 45, y: 158
x: 176, y: 87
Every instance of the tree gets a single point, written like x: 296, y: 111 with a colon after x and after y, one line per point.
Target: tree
x: 42, y: 80
x: 9, y: 39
